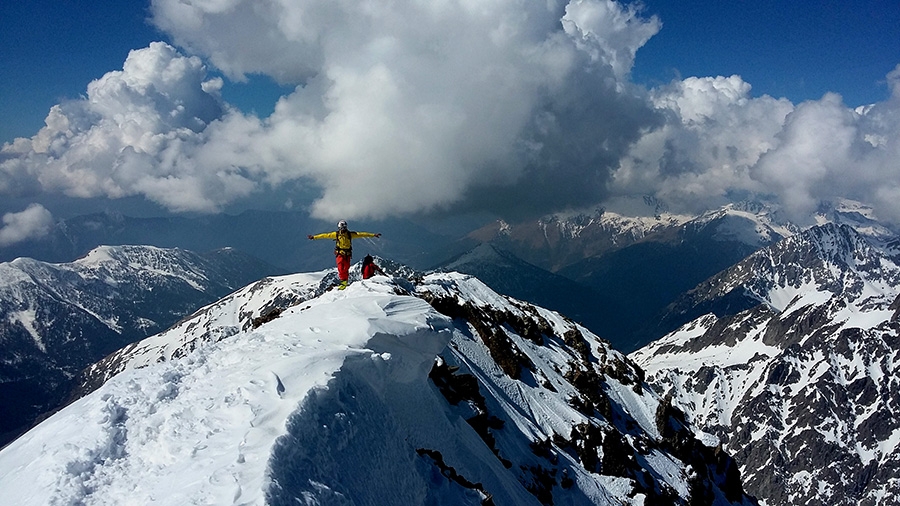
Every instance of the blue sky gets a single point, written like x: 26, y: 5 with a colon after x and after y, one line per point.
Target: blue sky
x: 53, y: 48
x: 798, y: 50
x: 396, y: 108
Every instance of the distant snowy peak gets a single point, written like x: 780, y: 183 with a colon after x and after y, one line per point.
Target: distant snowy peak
x: 752, y: 222
x: 772, y: 223
x: 575, y: 225
x: 558, y: 241
x: 830, y: 273
x: 860, y: 217
x: 749, y: 223
x: 120, y: 273
x: 828, y: 259
x: 830, y: 270
x: 173, y: 262
x: 482, y: 254
x: 617, y: 225
x: 114, y: 265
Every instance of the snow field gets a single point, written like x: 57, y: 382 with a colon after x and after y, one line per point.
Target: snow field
x: 199, y: 430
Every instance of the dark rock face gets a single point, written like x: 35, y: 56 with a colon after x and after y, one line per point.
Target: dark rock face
x: 609, y: 442
x: 798, y: 381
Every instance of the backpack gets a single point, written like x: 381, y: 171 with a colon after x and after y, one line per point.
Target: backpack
x: 342, y: 244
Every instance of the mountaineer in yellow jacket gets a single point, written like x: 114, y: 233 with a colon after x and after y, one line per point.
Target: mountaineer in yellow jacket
x: 343, y: 250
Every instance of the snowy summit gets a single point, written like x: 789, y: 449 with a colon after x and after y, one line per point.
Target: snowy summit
x: 433, y: 391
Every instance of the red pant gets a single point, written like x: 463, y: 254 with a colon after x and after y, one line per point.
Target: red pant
x: 343, y: 266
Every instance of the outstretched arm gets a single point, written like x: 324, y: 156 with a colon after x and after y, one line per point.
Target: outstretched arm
x: 354, y: 235
x: 325, y: 235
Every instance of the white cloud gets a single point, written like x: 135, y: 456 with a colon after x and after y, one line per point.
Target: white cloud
x: 127, y: 137
x: 826, y: 151
x: 409, y: 106
x: 32, y: 223
x: 400, y: 106
x: 719, y: 144
x: 704, y: 153
x: 609, y: 32
x: 814, y: 146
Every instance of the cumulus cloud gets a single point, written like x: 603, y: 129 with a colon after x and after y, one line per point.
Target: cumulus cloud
x: 32, y: 223
x: 719, y: 144
x: 409, y: 106
x: 609, y: 32
x: 400, y: 106
x: 826, y: 151
x: 512, y: 106
x: 127, y: 137
x: 704, y: 152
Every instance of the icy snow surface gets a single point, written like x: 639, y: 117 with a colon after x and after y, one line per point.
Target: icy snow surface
x: 200, y: 430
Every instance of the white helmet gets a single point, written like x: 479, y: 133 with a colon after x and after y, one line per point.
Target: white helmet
x: 342, y: 225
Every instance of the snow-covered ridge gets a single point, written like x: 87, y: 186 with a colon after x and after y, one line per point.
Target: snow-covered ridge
x: 751, y: 222
x: 224, y: 318
x: 747, y: 222
x: 338, y: 396
x: 103, y: 261
x: 143, y: 435
x: 860, y: 217
x: 634, y: 227
x: 57, y: 318
x: 104, y: 269
x: 829, y: 259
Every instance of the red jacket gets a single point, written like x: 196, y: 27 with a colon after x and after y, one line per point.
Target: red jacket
x: 369, y: 270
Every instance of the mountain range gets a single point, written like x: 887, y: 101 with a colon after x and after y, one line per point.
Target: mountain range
x: 755, y: 338
x: 622, y: 271
x: 628, y: 269
x: 278, y: 238
x: 59, y: 318
x: 789, y: 362
x: 426, y: 389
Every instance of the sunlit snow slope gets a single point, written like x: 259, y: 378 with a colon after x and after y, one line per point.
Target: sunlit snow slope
x: 56, y: 319
x: 433, y: 391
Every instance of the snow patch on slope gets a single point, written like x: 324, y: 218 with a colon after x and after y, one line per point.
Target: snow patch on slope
x: 26, y: 318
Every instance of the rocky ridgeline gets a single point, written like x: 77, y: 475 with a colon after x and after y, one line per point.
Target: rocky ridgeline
x: 608, y: 440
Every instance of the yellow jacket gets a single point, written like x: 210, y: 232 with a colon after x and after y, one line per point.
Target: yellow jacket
x: 342, y: 240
